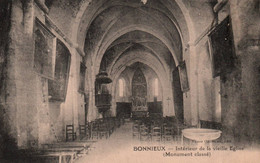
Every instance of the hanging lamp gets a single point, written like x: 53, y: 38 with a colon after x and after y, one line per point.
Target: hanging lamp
x: 144, y: 1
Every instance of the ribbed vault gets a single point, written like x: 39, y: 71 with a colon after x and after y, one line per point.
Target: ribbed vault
x: 105, y: 31
x: 120, y: 33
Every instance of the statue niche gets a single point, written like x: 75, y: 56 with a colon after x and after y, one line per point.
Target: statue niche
x: 139, y: 94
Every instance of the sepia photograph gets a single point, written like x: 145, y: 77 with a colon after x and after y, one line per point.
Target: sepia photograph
x: 129, y: 81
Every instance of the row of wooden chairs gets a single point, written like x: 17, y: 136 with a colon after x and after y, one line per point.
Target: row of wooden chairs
x: 154, y: 132
x: 98, y: 129
x: 103, y: 128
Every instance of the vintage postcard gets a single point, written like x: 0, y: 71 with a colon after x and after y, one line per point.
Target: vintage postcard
x: 129, y: 81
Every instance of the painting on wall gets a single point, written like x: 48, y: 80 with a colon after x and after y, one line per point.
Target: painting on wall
x: 43, y: 50
x: 184, y: 77
x: 221, y: 48
x: 82, y: 78
x: 58, y: 87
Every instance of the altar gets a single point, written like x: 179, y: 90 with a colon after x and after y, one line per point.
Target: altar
x: 139, y: 95
x: 139, y: 107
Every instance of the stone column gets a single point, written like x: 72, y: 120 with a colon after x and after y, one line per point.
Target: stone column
x: 246, y: 23
x: 19, y: 123
x: 193, y: 83
x: 75, y: 80
x: 8, y: 135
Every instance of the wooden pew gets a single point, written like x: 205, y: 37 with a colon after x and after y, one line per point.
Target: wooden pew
x: 61, y: 156
x: 80, y: 146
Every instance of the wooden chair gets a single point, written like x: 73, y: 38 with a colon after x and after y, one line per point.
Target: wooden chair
x: 111, y: 125
x: 70, y: 134
x: 88, y: 130
x: 168, y: 133
x: 156, y: 133
x: 104, y: 130
x: 95, y: 130
x: 82, y: 131
x: 144, y: 133
x: 135, y: 130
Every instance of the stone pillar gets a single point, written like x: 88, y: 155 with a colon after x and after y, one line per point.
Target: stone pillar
x: 246, y: 22
x: 193, y: 83
x: 74, y: 75
x: 19, y: 123
x: 7, y: 131
x: 92, y: 114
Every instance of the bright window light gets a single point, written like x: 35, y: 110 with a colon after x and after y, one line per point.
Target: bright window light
x: 156, y: 89
x: 121, y: 87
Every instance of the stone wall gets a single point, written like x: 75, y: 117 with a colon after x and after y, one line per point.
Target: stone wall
x: 29, y: 117
x: 5, y: 13
x: 246, y: 20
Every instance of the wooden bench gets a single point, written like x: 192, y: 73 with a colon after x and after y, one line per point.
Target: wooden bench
x: 65, y: 151
x: 76, y: 144
x: 79, y: 150
x: 62, y: 156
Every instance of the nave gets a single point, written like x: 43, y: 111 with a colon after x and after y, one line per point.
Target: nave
x: 65, y: 64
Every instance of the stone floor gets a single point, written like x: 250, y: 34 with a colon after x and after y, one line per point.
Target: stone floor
x: 119, y: 148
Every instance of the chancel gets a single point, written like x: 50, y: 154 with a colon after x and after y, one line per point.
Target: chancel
x: 88, y: 80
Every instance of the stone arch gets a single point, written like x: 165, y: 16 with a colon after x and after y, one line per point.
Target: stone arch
x: 161, y: 61
x: 163, y: 79
x: 129, y: 29
x: 82, y: 15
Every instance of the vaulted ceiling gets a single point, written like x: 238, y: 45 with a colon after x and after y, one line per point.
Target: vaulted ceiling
x: 114, y: 35
x: 116, y: 28
x: 107, y: 29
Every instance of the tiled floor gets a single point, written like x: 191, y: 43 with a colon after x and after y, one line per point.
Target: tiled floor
x: 119, y: 148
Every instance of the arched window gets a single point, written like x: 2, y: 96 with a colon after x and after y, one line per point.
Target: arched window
x: 121, y: 87
x: 156, y: 87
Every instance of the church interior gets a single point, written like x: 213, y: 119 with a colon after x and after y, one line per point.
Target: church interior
x: 88, y: 71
